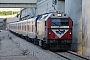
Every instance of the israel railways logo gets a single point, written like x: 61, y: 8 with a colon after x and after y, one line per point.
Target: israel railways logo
x: 60, y: 31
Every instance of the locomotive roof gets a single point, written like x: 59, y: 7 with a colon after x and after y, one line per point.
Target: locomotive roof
x: 52, y: 15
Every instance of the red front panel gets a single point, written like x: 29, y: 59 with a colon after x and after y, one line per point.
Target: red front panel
x: 53, y: 35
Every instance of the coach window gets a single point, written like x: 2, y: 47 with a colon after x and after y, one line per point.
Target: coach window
x: 17, y: 26
x: 25, y: 27
x: 20, y: 26
x: 32, y: 28
x: 28, y: 27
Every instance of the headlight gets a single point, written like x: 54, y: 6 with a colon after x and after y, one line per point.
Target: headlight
x: 49, y: 32
x: 59, y: 14
x: 70, y: 33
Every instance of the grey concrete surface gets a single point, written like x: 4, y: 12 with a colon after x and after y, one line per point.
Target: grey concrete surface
x: 35, y: 51
x: 14, y: 48
x: 16, y: 58
x: 86, y: 27
x: 74, y: 9
x: 9, y: 50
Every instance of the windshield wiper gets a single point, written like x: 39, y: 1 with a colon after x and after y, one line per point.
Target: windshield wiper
x: 55, y: 23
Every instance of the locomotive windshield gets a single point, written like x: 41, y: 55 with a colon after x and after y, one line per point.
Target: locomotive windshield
x: 59, y: 22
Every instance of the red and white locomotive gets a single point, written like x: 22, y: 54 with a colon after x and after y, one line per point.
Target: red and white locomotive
x: 50, y: 30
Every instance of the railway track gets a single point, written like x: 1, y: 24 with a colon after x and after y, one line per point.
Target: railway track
x: 85, y: 58
x: 71, y: 56
x: 62, y: 56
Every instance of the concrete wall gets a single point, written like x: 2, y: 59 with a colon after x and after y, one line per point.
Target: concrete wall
x: 74, y: 9
x: 61, y: 6
x: 27, y: 13
x: 86, y: 26
x: 46, y: 6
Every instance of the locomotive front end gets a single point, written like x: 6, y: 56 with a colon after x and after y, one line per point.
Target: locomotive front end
x: 60, y: 32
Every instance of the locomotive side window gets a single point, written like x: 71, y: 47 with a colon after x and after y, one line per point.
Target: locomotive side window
x: 59, y: 22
